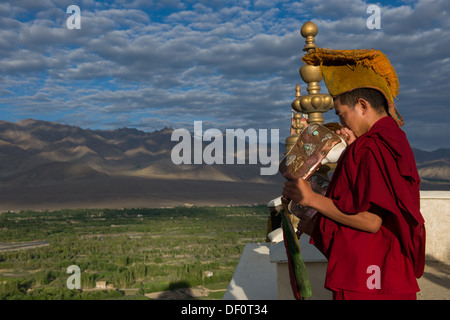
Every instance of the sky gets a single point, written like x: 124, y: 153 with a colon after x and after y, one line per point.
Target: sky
x: 230, y: 64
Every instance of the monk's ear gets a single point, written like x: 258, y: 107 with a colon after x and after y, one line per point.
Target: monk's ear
x: 364, y: 105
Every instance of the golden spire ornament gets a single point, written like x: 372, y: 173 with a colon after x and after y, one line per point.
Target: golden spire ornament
x: 314, y: 104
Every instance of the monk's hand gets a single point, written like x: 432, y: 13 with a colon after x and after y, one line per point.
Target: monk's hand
x: 299, y: 191
x: 346, y: 134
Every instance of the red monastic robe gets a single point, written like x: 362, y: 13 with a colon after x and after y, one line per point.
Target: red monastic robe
x: 376, y: 173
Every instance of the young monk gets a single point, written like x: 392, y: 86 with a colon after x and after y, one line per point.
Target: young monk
x: 370, y: 227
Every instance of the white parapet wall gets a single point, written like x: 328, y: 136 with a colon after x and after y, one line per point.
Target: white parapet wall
x: 263, y: 273
x: 435, y: 208
x: 315, y: 263
x: 255, y: 277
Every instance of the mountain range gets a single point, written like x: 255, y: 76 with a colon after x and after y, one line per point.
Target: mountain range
x: 39, y: 152
x: 46, y: 163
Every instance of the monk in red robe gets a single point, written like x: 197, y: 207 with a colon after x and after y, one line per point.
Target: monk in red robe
x: 370, y: 227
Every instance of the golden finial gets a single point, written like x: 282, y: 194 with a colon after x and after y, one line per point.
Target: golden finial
x: 314, y: 103
x: 309, y: 30
x: 296, y: 121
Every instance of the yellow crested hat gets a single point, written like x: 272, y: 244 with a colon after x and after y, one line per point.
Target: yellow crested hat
x: 346, y: 70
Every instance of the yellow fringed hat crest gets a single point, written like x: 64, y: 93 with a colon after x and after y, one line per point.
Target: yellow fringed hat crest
x: 346, y: 70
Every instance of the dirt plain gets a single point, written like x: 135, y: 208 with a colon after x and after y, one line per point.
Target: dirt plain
x: 134, y: 192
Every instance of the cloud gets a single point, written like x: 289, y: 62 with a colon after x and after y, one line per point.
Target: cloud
x: 150, y: 64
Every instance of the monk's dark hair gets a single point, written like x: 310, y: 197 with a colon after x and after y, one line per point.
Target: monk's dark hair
x: 376, y: 99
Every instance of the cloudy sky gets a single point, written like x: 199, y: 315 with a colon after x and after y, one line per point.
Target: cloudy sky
x: 231, y: 64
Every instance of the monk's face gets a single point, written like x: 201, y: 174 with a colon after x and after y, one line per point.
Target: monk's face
x: 352, y: 118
